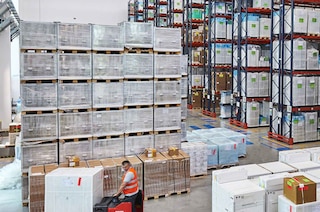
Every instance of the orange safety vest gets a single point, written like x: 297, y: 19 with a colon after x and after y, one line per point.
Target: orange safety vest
x: 132, y: 187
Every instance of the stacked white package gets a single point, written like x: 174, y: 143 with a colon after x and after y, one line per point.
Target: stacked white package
x: 312, y: 59
x: 227, y: 151
x: 167, y: 39
x: 265, y: 28
x: 138, y: 35
x: 264, y: 113
x: 250, y: 83
x: 194, y: 137
x: 229, y: 29
x: 66, y: 186
x: 298, y: 91
x: 300, y: 20
x: 224, y: 176
x: 277, y: 167
x: 273, y: 185
x: 315, y: 154
x: 225, y: 111
x: 219, y: 28
x: 293, y: 156
x: 252, y: 21
x: 299, y: 55
x: 225, y: 97
x: 305, y: 166
x: 219, y: 7
x: 261, y: 4
x: 311, y: 124
x: 239, y: 196
x: 297, y: 127
x: 313, y: 21
x: 240, y: 139
x: 312, y: 90
x: 253, y: 170
x: 253, y: 112
x: 198, y: 157
x: 253, y: 55
x: 263, y: 84
x: 285, y: 205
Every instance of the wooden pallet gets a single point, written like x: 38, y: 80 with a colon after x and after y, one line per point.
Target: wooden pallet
x: 106, y: 80
x: 138, y: 79
x: 37, y: 81
x: 139, y: 133
x: 159, y: 132
x: 166, y: 105
x: 75, y: 51
x: 25, y: 203
x: 242, y: 156
x: 107, y: 137
x: 38, y: 50
x: 39, y: 112
x: 107, y: 52
x: 75, y: 81
x: 74, y: 110
x: 224, y: 166
x: 79, y: 139
x: 139, y: 51
x: 107, y: 108
x: 199, y: 176
x: 167, y: 79
x: 137, y: 106
x: 212, y: 167
x: 180, y: 192
x: 166, y: 53
x: 155, y: 197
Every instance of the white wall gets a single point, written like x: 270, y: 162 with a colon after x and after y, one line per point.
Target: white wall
x: 108, y: 12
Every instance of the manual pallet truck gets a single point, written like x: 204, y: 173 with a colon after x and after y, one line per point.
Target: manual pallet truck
x: 113, y: 204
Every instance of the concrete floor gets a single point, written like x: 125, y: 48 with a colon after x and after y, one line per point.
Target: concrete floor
x: 259, y: 150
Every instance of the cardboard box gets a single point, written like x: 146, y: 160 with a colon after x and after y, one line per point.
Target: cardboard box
x: 73, y: 161
x: 221, y: 79
x: 173, y: 151
x: 14, y: 127
x: 299, y: 189
x: 50, y: 167
x: 151, y: 153
x: 36, y: 188
x: 196, y: 98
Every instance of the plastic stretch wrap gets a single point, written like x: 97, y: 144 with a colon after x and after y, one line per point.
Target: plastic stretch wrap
x: 311, y: 124
x: 104, y: 148
x: 74, y: 66
x: 137, y: 144
x: 167, y: 92
x: 225, y: 111
x: 138, y: 120
x: 285, y: 205
x: 39, y: 127
x: 167, y: 118
x: 137, y: 35
x: 184, y: 87
x: 107, y: 38
x: 75, y: 124
x: 31, y: 156
x: 82, y: 149
x: 107, y: 94
x: 198, y: 157
x: 34, y: 35
x: 297, y: 128
x: 138, y: 93
x: 107, y: 66
x: 227, y: 151
x: 38, y: 66
x: 39, y: 96
x: 163, y: 141
x: 74, y: 95
x: 167, y: 39
x: 138, y: 66
x: 74, y: 36
x: 110, y: 180
x: 107, y: 122
x: 183, y: 130
x: 184, y: 108
x: 167, y: 66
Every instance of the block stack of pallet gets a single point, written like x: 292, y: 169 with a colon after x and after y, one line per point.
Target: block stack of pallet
x: 107, y: 91
x: 167, y: 88
x: 39, y: 119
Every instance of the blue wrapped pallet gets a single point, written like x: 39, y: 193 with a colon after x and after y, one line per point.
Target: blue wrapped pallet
x: 241, y: 141
x: 227, y: 151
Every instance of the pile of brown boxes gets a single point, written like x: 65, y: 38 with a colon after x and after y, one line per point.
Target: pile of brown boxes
x: 300, y: 189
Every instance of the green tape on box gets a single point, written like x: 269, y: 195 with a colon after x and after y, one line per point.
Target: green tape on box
x: 266, y: 27
x: 218, y: 51
x: 264, y: 78
x: 299, y: 86
x: 253, y: 80
x: 311, y: 121
x: 253, y: 25
x: 301, y: 20
x: 254, y: 108
x: 306, y: 180
x: 295, y: 121
x: 300, y: 47
x: 315, y: 54
x: 314, y: 20
x: 312, y: 85
x: 253, y: 52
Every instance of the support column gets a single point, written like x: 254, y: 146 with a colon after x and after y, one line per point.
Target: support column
x: 5, y: 78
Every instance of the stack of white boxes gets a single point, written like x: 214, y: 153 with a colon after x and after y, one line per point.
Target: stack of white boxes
x: 198, y: 157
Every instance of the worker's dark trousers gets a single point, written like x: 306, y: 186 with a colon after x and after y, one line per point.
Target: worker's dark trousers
x: 131, y: 199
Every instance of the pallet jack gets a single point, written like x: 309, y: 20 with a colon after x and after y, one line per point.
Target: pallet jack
x: 113, y: 204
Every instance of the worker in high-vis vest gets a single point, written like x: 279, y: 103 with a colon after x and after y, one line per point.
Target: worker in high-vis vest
x: 129, y: 186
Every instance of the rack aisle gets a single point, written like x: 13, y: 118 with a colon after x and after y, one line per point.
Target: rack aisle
x: 295, y: 71
x: 251, y: 74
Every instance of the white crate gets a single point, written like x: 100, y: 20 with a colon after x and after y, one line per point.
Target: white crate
x: 138, y: 66
x: 39, y: 66
x: 107, y: 94
x: 77, y: 189
x: 82, y: 149
x: 311, y: 124
x: 39, y: 127
x: 106, y: 37
x: 184, y: 87
x: 166, y: 66
x: 107, y: 66
x: 167, y: 39
x: 298, y: 90
x: 163, y: 141
x: 107, y: 122
x: 250, y: 83
x: 74, y: 36
x: 31, y: 157
x: 38, y: 35
x: 137, y: 35
x: 39, y: 96
x: 78, y: 124
x: 298, y: 56
x: 167, y: 92
x: 184, y: 108
x: 138, y: 120
x: 137, y: 144
x: 312, y: 90
x: 106, y: 148
x: 74, y: 66
x: 167, y: 118
x: 138, y: 93
x: 74, y: 95
x: 263, y: 84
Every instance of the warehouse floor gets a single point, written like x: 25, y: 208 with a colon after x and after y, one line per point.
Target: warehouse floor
x: 259, y: 149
